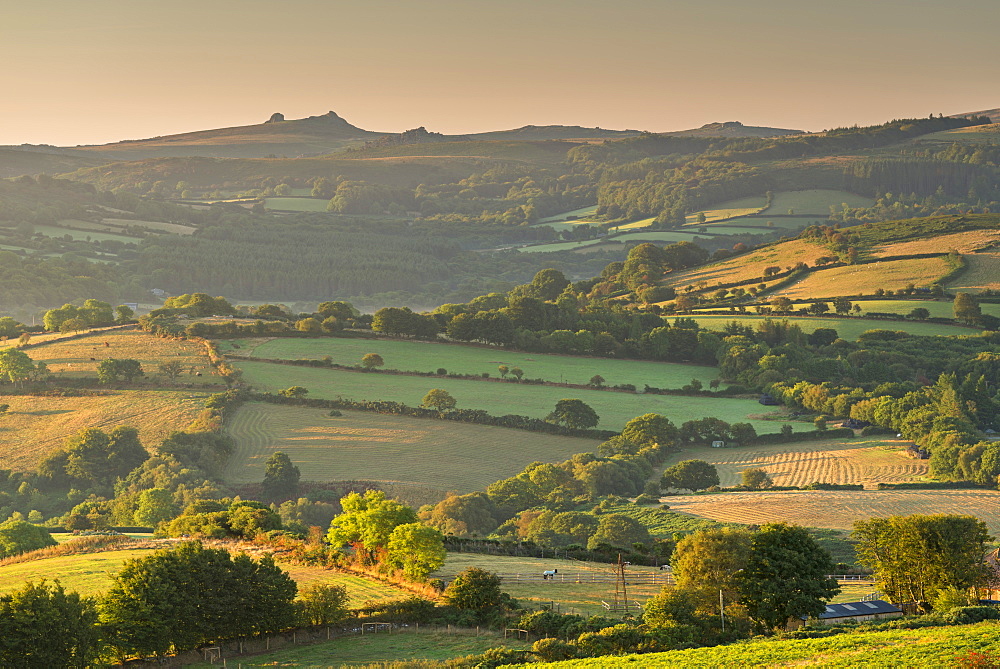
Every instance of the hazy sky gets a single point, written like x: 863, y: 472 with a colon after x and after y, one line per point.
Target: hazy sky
x: 86, y: 72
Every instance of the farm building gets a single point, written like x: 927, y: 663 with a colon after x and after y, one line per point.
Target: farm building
x: 876, y: 609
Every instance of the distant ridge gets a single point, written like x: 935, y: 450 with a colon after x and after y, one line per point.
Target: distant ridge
x: 994, y: 114
x: 734, y: 129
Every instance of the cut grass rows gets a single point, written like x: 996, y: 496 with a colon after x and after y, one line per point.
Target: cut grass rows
x: 442, y: 455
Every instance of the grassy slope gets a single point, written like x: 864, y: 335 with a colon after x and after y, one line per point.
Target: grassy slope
x: 461, y: 359
x: 866, y: 460
x: 614, y: 408
x: 932, y: 647
x: 863, y: 279
x: 847, y: 328
x: 416, y: 452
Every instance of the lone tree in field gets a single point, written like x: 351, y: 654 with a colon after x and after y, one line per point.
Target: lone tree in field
x: 15, y: 365
x: 504, y: 371
x: 920, y: 314
x: 477, y: 590
x: 755, y: 478
x: 690, y: 475
x: 574, y: 414
x: 172, y: 369
x: 596, y: 380
x: 372, y: 360
x: 439, y: 400
x: 281, y: 478
x: 966, y: 308
x: 321, y: 604
x: 651, y: 429
x: 516, y: 372
x: 113, y: 369
x: 785, y: 576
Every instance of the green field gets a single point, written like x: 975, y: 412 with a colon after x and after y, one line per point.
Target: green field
x: 665, y: 236
x: 583, y: 212
x: 296, y: 203
x: 927, y: 647
x: 462, y: 359
x: 741, y: 225
x: 416, y: 453
x: 847, y: 328
x: 559, y: 246
x: 937, y: 308
x: 731, y: 209
x: 53, y: 231
x: 614, y: 408
x: 815, y: 202
x: 395, y: 646
x: 90, y: 574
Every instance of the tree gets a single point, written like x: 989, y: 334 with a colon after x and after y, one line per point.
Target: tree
x: 372, y: 360
x: 179, y: 598
x: 820, y: 423
x: 310, y: 325
x: 322, y: 604
x: 651, y: 429
x: 915, y: 557
x: 516, y: 372
x: 966, y: 308
x: 504, y: 370
x: 367, y: 522
x: 574, y: 414
x: 293, y: 391
x: 15, y: 365
x: 477, y: 590
x: 709, y: 561
x: 416, y: 549
x: 615, y: 529
x: 785, y: 576
x: 156, y: 505
x: 691, y: 475
x: 920, y: 314
x: 439, y: 400
x: 172, y: 368
x: 755, y: 479
x: 43, y: 626
x: 547, y: 284
x: 123, y: 314
x: 596, y: 380
x: 111, y: 370
x: 18, y: 536
x: 281, y: 478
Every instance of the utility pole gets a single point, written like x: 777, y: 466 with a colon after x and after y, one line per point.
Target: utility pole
x: 722, y: 611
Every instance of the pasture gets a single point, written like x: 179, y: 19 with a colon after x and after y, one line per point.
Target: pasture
x: 760, y: 224
x: 731, y: 209
x: 816, y: 201
x: 937, y: 308
x: 751, y: 265
x: 864, y: 279
x: 963, y: 242
x: 614, y: 408
x: 975, y: 135
x: 836, y: 509
x: 89, y: 235
x: 74, y: 358
x: 90, y: 574
x: 296, y: 204
x: 983, y: 271
x: 391, y: 647
x: 34, y: 426
x: 586, y: 584
x: 583, y: 212
x: 665, y: 237
x: 558, y: 246
x: 464, y: 359
x: 866, y: 460
x: 416, y: 453
x: 847, y: 327
x: 924, y: 647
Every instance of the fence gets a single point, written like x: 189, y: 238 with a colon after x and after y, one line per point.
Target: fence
x: 635, y: 578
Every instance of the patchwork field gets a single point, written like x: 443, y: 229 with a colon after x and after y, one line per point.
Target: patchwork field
x: 963, y: 242
x: 462, y: 359
x: 925, y: 647
x: 837, y: 509
x: 847, y: 328
x: 80, y: 357
x: 614, y: 408
x: 417, y: 452
x: 982, y: 271
x: 90, y: 574
x: 865, y: 460
x: 34, y: 426
x: 864, y: 279
x: 751, y: 265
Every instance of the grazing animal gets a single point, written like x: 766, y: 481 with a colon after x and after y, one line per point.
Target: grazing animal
x: 551, y: 573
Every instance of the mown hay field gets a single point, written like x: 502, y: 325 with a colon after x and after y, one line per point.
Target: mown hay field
x: 963, y: 242
x: 421, y: 452
x: 75, y: 358
x: 925, y: 647
x: 34, y: 426
x: 866, y: 460
x: 90, y: 574
x: 837, y: 509
x: 751, y: 265
x: 982, y: 271
x: 462, y: 359
x: 847, y: 328
x: 614, y: 408
x: 865, y: 279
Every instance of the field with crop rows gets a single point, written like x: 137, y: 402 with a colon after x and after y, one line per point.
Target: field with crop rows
x: 925, y: 647
x: 34, y: 426
x: 865, y: 279
x: 866, y: 460
x: 983, y: 271
x: 425, y: 453
x: 80, y: 357
x: 90, y: 574
x: 847, y: 328
x: 837, y: 509
x: 751, y: 265
x: 463, y: 359
x: 614, y: 408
